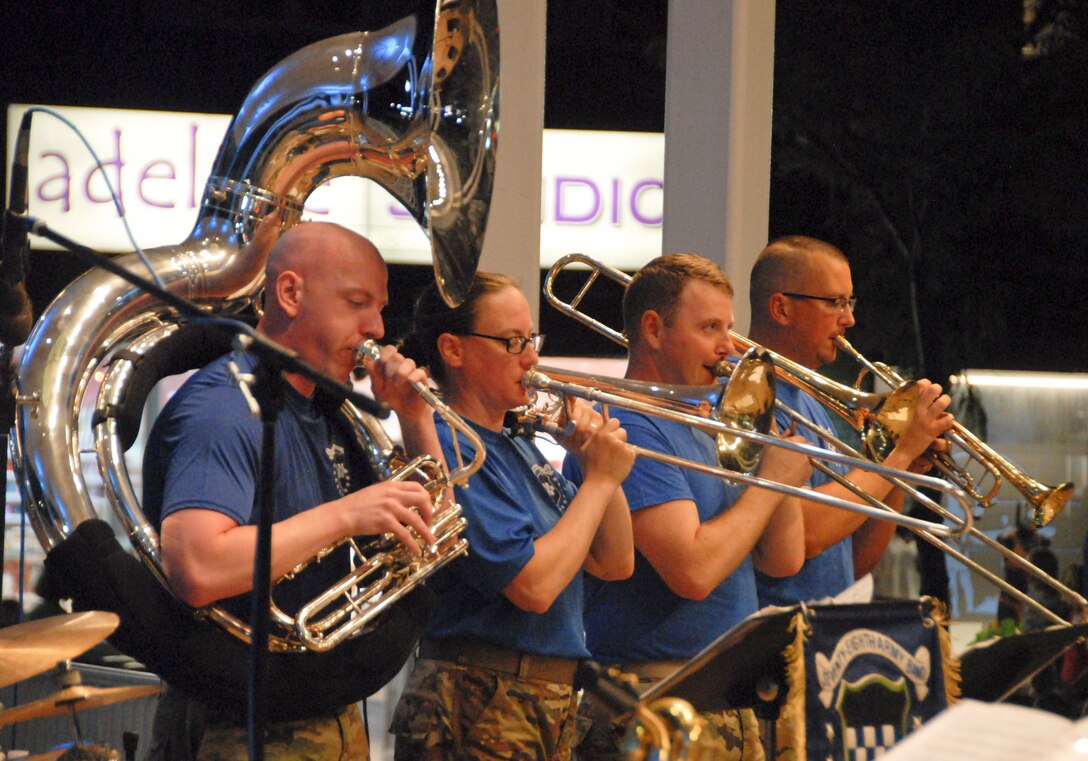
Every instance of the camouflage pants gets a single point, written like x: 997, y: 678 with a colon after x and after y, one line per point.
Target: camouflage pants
x: 610, y: 740
x: 448, y: 711
x: 334, y: 738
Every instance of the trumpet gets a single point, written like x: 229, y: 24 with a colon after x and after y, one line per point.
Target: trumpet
x: 1046, y: 501
x: 857, y: 408
x: 386, y: 571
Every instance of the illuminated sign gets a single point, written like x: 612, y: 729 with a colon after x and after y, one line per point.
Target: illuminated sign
x: 601, y: 195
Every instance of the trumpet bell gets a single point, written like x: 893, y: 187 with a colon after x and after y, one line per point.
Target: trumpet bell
x: 1049, y: 501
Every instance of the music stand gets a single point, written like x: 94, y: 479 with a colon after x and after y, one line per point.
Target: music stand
x: 992, y: 671
x: 743, y: 668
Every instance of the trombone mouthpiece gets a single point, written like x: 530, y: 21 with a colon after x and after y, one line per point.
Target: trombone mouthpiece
x: 533, y: 379
x: 721, y: 368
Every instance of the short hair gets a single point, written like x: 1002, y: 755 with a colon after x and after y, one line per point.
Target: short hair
x: 433, y: 316
x: 782, y: 266
x: 657, y: 286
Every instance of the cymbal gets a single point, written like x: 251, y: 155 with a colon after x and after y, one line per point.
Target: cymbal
x: 76, y: 698
x: 79, y: 753
x: 35, y: 646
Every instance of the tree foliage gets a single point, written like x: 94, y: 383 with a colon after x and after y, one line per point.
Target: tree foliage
x: 949, y: 166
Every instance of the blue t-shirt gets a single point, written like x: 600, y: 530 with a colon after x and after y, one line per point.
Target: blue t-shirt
x: 832, y: 570
x: 640, y: 618
x: 204, y: 451
x: 513, y: 500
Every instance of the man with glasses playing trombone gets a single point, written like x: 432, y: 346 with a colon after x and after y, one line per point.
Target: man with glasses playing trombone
x: 802, y: 299
x: 699, y: 539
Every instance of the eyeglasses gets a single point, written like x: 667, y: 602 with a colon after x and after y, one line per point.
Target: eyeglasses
x: 515, y: 344
x: 838, y: 303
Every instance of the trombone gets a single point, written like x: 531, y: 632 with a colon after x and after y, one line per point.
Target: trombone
x: 863, y: 411
x: 871, y: 413
x: 726, y: 426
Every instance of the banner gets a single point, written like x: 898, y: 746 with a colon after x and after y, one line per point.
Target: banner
x: 873, y: 674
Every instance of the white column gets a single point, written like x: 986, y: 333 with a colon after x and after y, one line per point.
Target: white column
x: 719, y: 80
x: 512, y: 242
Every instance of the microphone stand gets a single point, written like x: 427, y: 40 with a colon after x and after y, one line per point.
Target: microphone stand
x: 273, y: 361
x: 268, y: 391
x: 7, y: 421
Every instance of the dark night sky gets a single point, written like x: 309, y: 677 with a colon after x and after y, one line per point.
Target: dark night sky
x: 605, y: 70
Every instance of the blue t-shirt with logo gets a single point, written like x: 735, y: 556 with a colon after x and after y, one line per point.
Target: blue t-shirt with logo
x: 513, y: 500
x: 640, y: 618
x: 204, y: 452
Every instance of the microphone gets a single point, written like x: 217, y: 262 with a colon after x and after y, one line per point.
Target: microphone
x: 16, y: 313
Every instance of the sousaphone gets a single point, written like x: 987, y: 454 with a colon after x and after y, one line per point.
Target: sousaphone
x: 412, y: 107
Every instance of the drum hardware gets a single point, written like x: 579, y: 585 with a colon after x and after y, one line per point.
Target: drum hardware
x: 74, y: 697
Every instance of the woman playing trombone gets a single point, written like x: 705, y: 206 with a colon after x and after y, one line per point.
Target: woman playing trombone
x: 496, y: 668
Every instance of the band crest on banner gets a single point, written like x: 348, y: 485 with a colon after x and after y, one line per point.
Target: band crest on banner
x: 871, y: 674
x: 861, y: 642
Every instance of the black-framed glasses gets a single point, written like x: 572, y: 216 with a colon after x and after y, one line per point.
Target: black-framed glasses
x: 838, y: 303
x: 514, y: 344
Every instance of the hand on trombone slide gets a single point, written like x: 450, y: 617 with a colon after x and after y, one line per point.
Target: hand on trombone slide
x: 783, y: 465
x: 599, y: 444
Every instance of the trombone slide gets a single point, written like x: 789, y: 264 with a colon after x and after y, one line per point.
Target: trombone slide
x: 540, y: 379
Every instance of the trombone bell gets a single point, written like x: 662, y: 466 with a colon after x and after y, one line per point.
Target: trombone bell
x: 882, y: 429
x: 746, y: 403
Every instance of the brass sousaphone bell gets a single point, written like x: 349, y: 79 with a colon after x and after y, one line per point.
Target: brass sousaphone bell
x: 412, y: 107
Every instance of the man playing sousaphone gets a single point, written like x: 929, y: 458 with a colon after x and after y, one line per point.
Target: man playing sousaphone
x: 699, y: 539
x: 326, y: 288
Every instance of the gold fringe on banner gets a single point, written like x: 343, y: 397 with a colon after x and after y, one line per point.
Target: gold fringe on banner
x: 790, y: 727
x: 950, y: 664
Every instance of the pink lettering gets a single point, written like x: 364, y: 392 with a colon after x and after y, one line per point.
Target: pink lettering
x: 114, y: 162
x: 63, y: 180
x: 585, y: 216
x: 148, y: 174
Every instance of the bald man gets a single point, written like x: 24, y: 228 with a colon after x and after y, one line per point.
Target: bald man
x: 325, y: 291
x: 802, y: 299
